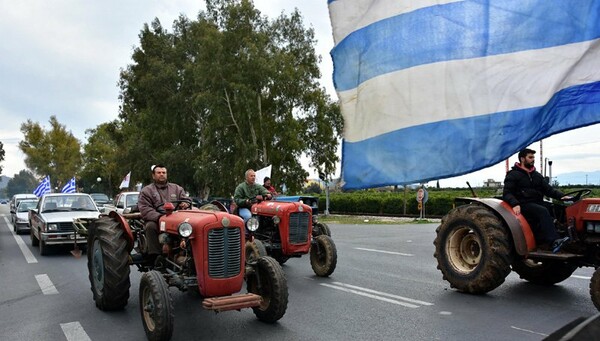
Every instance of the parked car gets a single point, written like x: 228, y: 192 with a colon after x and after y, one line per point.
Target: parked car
x: 20, y: 218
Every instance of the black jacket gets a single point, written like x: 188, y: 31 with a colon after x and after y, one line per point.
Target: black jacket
x: 522, y: 187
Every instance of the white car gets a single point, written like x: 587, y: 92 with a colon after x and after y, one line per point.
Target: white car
x: 20, y: 218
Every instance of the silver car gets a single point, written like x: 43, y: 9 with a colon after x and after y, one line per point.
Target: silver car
x: 20, y: 217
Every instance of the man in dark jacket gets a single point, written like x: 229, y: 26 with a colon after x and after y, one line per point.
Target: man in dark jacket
x: 246, y: 192
x: 524, y: 190
x: 151, y: 197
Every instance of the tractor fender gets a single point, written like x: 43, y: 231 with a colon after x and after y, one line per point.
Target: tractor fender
x: 125, y: 225
x: 520, y: 230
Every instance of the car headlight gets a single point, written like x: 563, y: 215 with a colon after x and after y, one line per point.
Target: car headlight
x: 52, y: 227
x: 252, y: 224
x: 185, y: 229
x: 276, y: 220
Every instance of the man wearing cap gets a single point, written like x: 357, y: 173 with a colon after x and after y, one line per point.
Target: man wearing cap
x: 151, y: 198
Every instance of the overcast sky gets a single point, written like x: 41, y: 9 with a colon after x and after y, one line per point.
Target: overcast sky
x: 62, y: 58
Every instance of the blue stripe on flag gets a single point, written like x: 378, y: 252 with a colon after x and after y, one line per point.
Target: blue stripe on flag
x: 452, y: 32
x: 43, y: 187
x: 409, y: 155
x: 70, y: 186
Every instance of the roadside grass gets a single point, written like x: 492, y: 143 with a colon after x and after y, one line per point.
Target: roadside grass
x: 373, y: 220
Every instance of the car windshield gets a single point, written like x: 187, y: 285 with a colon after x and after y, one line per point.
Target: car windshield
x: 69, y: 203
x: 131, y: 200
x: 99, y: 197
x: 25, y: 206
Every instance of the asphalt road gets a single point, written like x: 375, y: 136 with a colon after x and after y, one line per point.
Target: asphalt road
x: 386, y: 287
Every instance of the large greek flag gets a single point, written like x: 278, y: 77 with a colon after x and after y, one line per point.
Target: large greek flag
x: 70, y: 186
x: 43, y: 187
x: 437, y: 88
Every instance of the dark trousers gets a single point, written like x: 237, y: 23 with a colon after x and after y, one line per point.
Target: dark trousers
x: 541, y: 222
x: 153, y: 247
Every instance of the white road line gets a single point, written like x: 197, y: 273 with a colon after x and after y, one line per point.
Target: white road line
x: 388, y: 252
x: 382, y: 293
x: 581, y: 277
x: 74, y: 331
x: 29, y: 257
x: 370, y: 295
x: 46, y: 284
x: 529, y: 331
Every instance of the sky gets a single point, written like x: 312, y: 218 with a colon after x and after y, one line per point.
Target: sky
x: 63, y: 58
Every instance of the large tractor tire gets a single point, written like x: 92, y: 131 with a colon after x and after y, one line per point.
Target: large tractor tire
x: 156, y: 306
x: 268, y: 281
x: 473, y: 249
x: 323, y: 256
x: 108, y: 264
x: 254, y: 250
x: 595, y: 288
x: 545, y: 272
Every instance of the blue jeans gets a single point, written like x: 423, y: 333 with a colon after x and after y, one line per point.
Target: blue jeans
x: 245, y: 214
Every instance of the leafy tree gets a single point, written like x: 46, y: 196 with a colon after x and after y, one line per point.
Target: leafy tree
x: 1, y: 155
x: 102, y: 159
x: 230, y: 91
x: 24, y: 182
x: 55, y: 152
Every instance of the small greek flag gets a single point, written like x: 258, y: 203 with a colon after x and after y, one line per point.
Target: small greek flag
x: 43, y: 187
x: 69, y: 186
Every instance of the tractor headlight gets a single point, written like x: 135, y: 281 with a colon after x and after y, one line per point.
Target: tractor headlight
x: 52, y: 227
x: 593, y: 227
x: 185, y: 229
x: 276, y: 220
x: 252, y: 224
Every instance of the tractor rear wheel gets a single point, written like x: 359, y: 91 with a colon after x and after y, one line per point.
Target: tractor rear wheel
x: 108, y: 264
x: 544, y: 272
x: 473, y: 249
x: 156, y: 306
x: 595, y: 288
x: 268, y: 281
x: 323, y: 256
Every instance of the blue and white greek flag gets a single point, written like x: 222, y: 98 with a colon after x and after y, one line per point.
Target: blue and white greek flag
x: 432, y: 89
x: 43, y: 187
x: 69, y: 187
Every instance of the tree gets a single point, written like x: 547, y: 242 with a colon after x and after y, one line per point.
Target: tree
x: 24, y: 182
x: 1, y: 155
x: 230, y: 91
x: 102, y: 159
x: 55, y: 152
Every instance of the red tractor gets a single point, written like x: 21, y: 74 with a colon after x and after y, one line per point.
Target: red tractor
x: 285, y: 229
x: 479, y: 242
x: 203, y: 251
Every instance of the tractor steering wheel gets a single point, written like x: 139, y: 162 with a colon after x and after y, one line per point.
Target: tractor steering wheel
x: 161, y: 207
x: 578, y: 194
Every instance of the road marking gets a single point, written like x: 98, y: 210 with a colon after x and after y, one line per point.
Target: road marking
x: 528, y: 331
x: 581, y: 277
x: 388, y: 252
x: 29, y: 257
x: 378, y: 295
x: 46, y: 284
x: 74, y: 331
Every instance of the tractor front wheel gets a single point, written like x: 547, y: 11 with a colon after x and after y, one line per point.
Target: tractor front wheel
x: 156, y: 306
x: 543, y: 272
x: 595, y: 288
x: 473, y: 249
x: 268, y: 281
x: 323, y: 229
x: 323, y: 256
x: 108, y: 264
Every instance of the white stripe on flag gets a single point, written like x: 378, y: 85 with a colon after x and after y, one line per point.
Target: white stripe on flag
x: 350, y: 15
x: 465, y: 88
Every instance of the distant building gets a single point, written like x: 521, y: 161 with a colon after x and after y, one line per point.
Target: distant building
x: 492, y: 183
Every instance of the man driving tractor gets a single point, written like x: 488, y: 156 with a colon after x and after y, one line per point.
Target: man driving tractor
x: 248, y: 191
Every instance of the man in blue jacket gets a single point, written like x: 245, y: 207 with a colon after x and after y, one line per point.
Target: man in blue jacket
x: 524, y: 190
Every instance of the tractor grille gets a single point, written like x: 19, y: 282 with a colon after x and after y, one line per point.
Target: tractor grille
x: 224, y: 252
x: 299, y: 227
